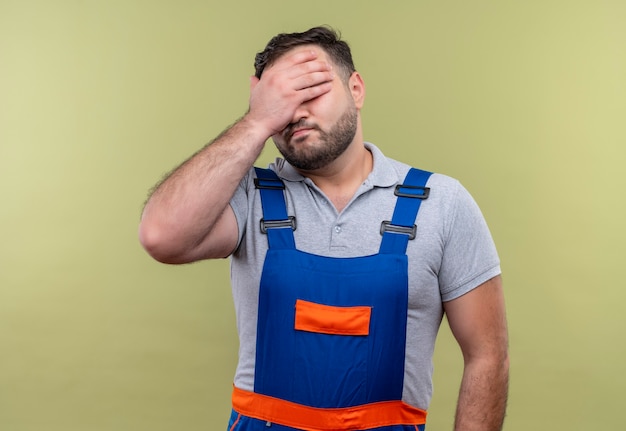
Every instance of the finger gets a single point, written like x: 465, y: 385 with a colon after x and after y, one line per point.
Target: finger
x: 311, y: 66
x: 313, y: 79
x: 301, y: 62
x: 313, y: 92
x: 301, y: 57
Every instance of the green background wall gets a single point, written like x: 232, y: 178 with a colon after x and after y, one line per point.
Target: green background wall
x: 524, y: 102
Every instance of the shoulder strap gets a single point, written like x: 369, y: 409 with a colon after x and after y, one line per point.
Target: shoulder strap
x: 397, y: 232
x: 275, y: 222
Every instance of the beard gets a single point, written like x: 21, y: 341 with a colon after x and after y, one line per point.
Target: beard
x: 329, y: 146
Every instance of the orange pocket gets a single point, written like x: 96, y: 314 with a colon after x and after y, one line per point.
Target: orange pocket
x: 326, y: 319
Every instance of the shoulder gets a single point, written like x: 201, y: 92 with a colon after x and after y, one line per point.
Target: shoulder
x: 399, y: 170
x: 443, y: 188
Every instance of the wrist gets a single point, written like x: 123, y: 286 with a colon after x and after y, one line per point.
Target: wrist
x: 256, y: 127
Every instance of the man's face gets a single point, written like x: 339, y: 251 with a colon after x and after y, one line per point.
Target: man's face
x: 322, y: 128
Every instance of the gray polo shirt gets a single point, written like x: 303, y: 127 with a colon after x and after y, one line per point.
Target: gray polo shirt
x: 452, y: 254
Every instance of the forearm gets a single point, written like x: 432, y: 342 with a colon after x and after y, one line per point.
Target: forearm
x: 185, y: 206
x: 187, y: 218
x: 483, y: 395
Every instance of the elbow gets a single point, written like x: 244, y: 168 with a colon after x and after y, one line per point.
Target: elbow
x: 495, y: 358
x: 500, y: 359
x: 156, y: 243
x: 502, y: 354
x: 500, y: 363
x: 179, y: 243
x: 506, y: 363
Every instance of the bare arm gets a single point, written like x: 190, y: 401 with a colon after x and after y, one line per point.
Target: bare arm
x: 187, y: 217
x: 478, y: 322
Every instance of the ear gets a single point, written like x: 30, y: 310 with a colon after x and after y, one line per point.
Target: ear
x: 357, y: 89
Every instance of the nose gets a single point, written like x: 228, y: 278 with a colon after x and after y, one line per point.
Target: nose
x: 301, y: 113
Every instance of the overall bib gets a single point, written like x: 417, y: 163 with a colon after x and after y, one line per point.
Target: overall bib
x: 331, y: 332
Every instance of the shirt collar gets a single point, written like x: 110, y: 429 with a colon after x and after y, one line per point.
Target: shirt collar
x: 383, y: 173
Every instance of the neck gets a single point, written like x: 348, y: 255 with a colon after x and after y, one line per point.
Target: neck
x: 341, y: 179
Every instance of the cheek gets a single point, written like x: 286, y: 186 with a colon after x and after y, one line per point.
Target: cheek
x: 330, y: 111
x: 279, y: 142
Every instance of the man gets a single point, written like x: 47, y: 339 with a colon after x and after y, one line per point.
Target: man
x: 343, y: 261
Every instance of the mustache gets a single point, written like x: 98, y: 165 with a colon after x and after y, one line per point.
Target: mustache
x: 294, y: 127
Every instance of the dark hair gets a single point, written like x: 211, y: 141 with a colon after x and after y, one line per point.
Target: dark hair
x: 324, y: 37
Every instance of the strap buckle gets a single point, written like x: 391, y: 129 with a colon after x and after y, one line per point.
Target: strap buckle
x: 269, y: 184
x: 407, y: 191
x: 273, y: 224
x: 386, y: 226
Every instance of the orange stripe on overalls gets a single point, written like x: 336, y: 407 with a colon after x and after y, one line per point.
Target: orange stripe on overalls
x: 363, y: 417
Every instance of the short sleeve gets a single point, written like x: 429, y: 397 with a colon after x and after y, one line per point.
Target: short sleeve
x: 469, y: 257
x: 239, y: 204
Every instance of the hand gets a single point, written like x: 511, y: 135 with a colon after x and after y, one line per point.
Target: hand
x: 291, y: 81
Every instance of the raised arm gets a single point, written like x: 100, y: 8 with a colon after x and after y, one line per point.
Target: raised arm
x: 478, y: 322
x: 188, y: 217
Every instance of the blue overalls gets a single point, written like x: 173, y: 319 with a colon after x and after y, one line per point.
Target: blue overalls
x: 331, y: 332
